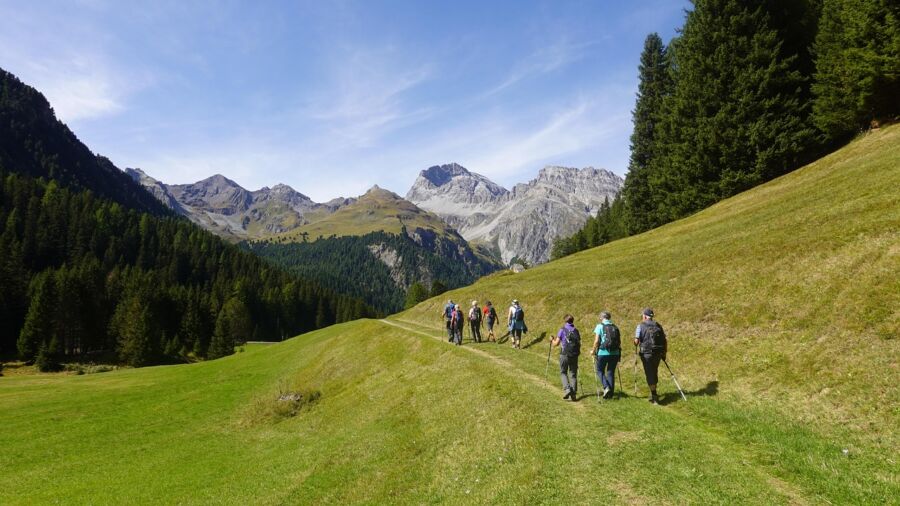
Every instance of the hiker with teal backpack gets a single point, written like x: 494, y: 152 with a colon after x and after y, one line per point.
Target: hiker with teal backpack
x: 515, y: 320
x: 651, y: 339
x: 607, y: 351
x: 569, y: 341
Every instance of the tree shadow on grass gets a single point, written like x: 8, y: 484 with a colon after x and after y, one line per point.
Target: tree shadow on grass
x: 535, y: 341
x: 710, y: 390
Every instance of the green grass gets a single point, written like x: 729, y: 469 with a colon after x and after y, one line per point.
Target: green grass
x: 780, y: 305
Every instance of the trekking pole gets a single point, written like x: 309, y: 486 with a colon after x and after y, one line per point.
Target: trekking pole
x: 596, y: 383
x: 634, y: 370
x: 547, y: 369
x: 675, y: 380
x: 621, y: 385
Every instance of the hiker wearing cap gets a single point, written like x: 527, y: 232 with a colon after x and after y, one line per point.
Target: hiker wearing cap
x: 446, y: 313
x: 515, y: 321
x: 651, y: 338
x: 475, y: 321
x: 606, y: 352
x: 456, y: 325
x: 569, y: 341
x: 490, y: 318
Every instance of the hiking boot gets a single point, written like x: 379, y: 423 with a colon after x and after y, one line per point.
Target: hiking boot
x: 567, y: 394
x: 606, y: 393
x: 654, y: 399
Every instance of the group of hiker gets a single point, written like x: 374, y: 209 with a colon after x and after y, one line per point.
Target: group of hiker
x: 477, y: 317
x: 650, y: 344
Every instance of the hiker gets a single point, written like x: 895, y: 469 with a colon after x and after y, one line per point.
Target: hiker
x: 607, y: 351
x: 569, y: 341
x: 651, y: 338
x: 475, y: 321
x: 490, y: 318
x: 515, y: 321
x: 456, y: 325
x: 448, y: 310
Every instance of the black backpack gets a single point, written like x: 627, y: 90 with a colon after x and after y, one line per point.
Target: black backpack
x: 612, y: 341
x: 653, y: 338
x: 572, y: 348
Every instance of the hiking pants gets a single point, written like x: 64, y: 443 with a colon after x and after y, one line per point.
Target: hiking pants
x: 516, y: 335
x: 475, y: 327
x: 606, y: 371
x: 457, y: 334
x: 568, y: 372
x: 651, y: 368
x: 449, y: 330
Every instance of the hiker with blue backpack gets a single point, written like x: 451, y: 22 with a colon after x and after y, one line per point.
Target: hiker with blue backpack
x: 569, y: 341
x: 651, y: 339
x: 515, y: 321
x: 447, y: 313
x: 607, y: 351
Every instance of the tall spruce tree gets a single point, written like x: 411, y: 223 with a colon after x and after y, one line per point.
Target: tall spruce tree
x: 39, y: 326
x: 655, y: 84
x: 737, y: 116
x: 857, y: 79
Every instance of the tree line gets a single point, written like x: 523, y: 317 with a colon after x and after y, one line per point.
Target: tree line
x: 85, y: 278
x: 348, y: 265
x: 748, y: 91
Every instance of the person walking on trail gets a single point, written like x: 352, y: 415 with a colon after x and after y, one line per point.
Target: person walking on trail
x: 651, y: 339
x: 515, y: 320
x: 456, y: 325
x: 607, y: 351
x: 475, y: 321
x: 490, y: 318
x: 446, y: 313
x: 569, y: 341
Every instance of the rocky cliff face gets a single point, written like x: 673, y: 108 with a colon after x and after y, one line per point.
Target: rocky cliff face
x: 520, y: 223
x: 225, y: 208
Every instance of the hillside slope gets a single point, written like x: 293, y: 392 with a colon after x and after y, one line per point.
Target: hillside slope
x: 770, y: 298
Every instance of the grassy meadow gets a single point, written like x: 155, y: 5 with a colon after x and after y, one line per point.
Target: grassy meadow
x: 780, y: 304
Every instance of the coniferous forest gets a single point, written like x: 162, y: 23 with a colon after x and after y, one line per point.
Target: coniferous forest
x: 93, y: 268
x: 748, y: 91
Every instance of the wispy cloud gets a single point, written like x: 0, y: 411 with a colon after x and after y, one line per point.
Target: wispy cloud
x: 544, y: 60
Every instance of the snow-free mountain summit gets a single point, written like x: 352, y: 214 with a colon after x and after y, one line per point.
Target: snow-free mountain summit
x: 517, y: 224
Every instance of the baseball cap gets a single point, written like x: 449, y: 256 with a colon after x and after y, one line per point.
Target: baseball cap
x: 648, y: 311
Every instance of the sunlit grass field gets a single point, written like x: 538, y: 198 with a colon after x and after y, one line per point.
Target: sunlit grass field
x: 780, y: 305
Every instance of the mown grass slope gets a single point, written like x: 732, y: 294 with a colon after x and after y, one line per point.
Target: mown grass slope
x: 780, y: 307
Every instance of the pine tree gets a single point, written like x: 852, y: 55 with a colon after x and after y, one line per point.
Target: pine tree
x: 736, y: 117
x: 134, y: 327
x: 857, y: 78
x: 655, y: 85
x: 38, y: 329
x: 416, y: 294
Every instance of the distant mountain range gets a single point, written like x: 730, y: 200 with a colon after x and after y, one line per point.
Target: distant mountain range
x: 517, y: 224
x: 445, y: 201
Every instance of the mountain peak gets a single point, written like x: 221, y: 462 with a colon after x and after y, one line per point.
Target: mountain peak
x: 442, y: 174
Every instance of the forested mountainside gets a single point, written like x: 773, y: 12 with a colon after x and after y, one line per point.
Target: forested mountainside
x: 378, y: 267
x: 93, y: 266
x: 34, y: 142
x: 798, y: 79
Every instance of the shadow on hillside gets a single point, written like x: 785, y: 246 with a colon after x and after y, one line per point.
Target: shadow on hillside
x: 535, y: 341
x: 710, y: 390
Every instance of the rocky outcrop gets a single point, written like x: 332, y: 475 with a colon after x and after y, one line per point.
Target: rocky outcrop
x: 522, y: 223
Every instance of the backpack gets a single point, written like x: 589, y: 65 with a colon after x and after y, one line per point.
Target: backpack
x: 519, y: 314
x: 492, y: 314
x: 612, y: 341
x: 474, y: 315
x: 448, y: 311
x: 572, y: 348
x: 654, y: 339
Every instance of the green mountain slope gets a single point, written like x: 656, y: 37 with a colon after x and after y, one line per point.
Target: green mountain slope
x: 780, y: 306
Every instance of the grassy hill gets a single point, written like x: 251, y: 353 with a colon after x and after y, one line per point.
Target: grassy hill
x: 376, y: 210
x: 781, y: 309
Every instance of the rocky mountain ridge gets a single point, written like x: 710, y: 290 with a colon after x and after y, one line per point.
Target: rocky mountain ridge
x: 521, y: 223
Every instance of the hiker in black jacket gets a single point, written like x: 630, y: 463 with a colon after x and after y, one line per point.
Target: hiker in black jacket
x: 651, y: 339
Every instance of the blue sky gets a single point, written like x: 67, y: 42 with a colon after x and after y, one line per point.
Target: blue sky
x: 333, y: 97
